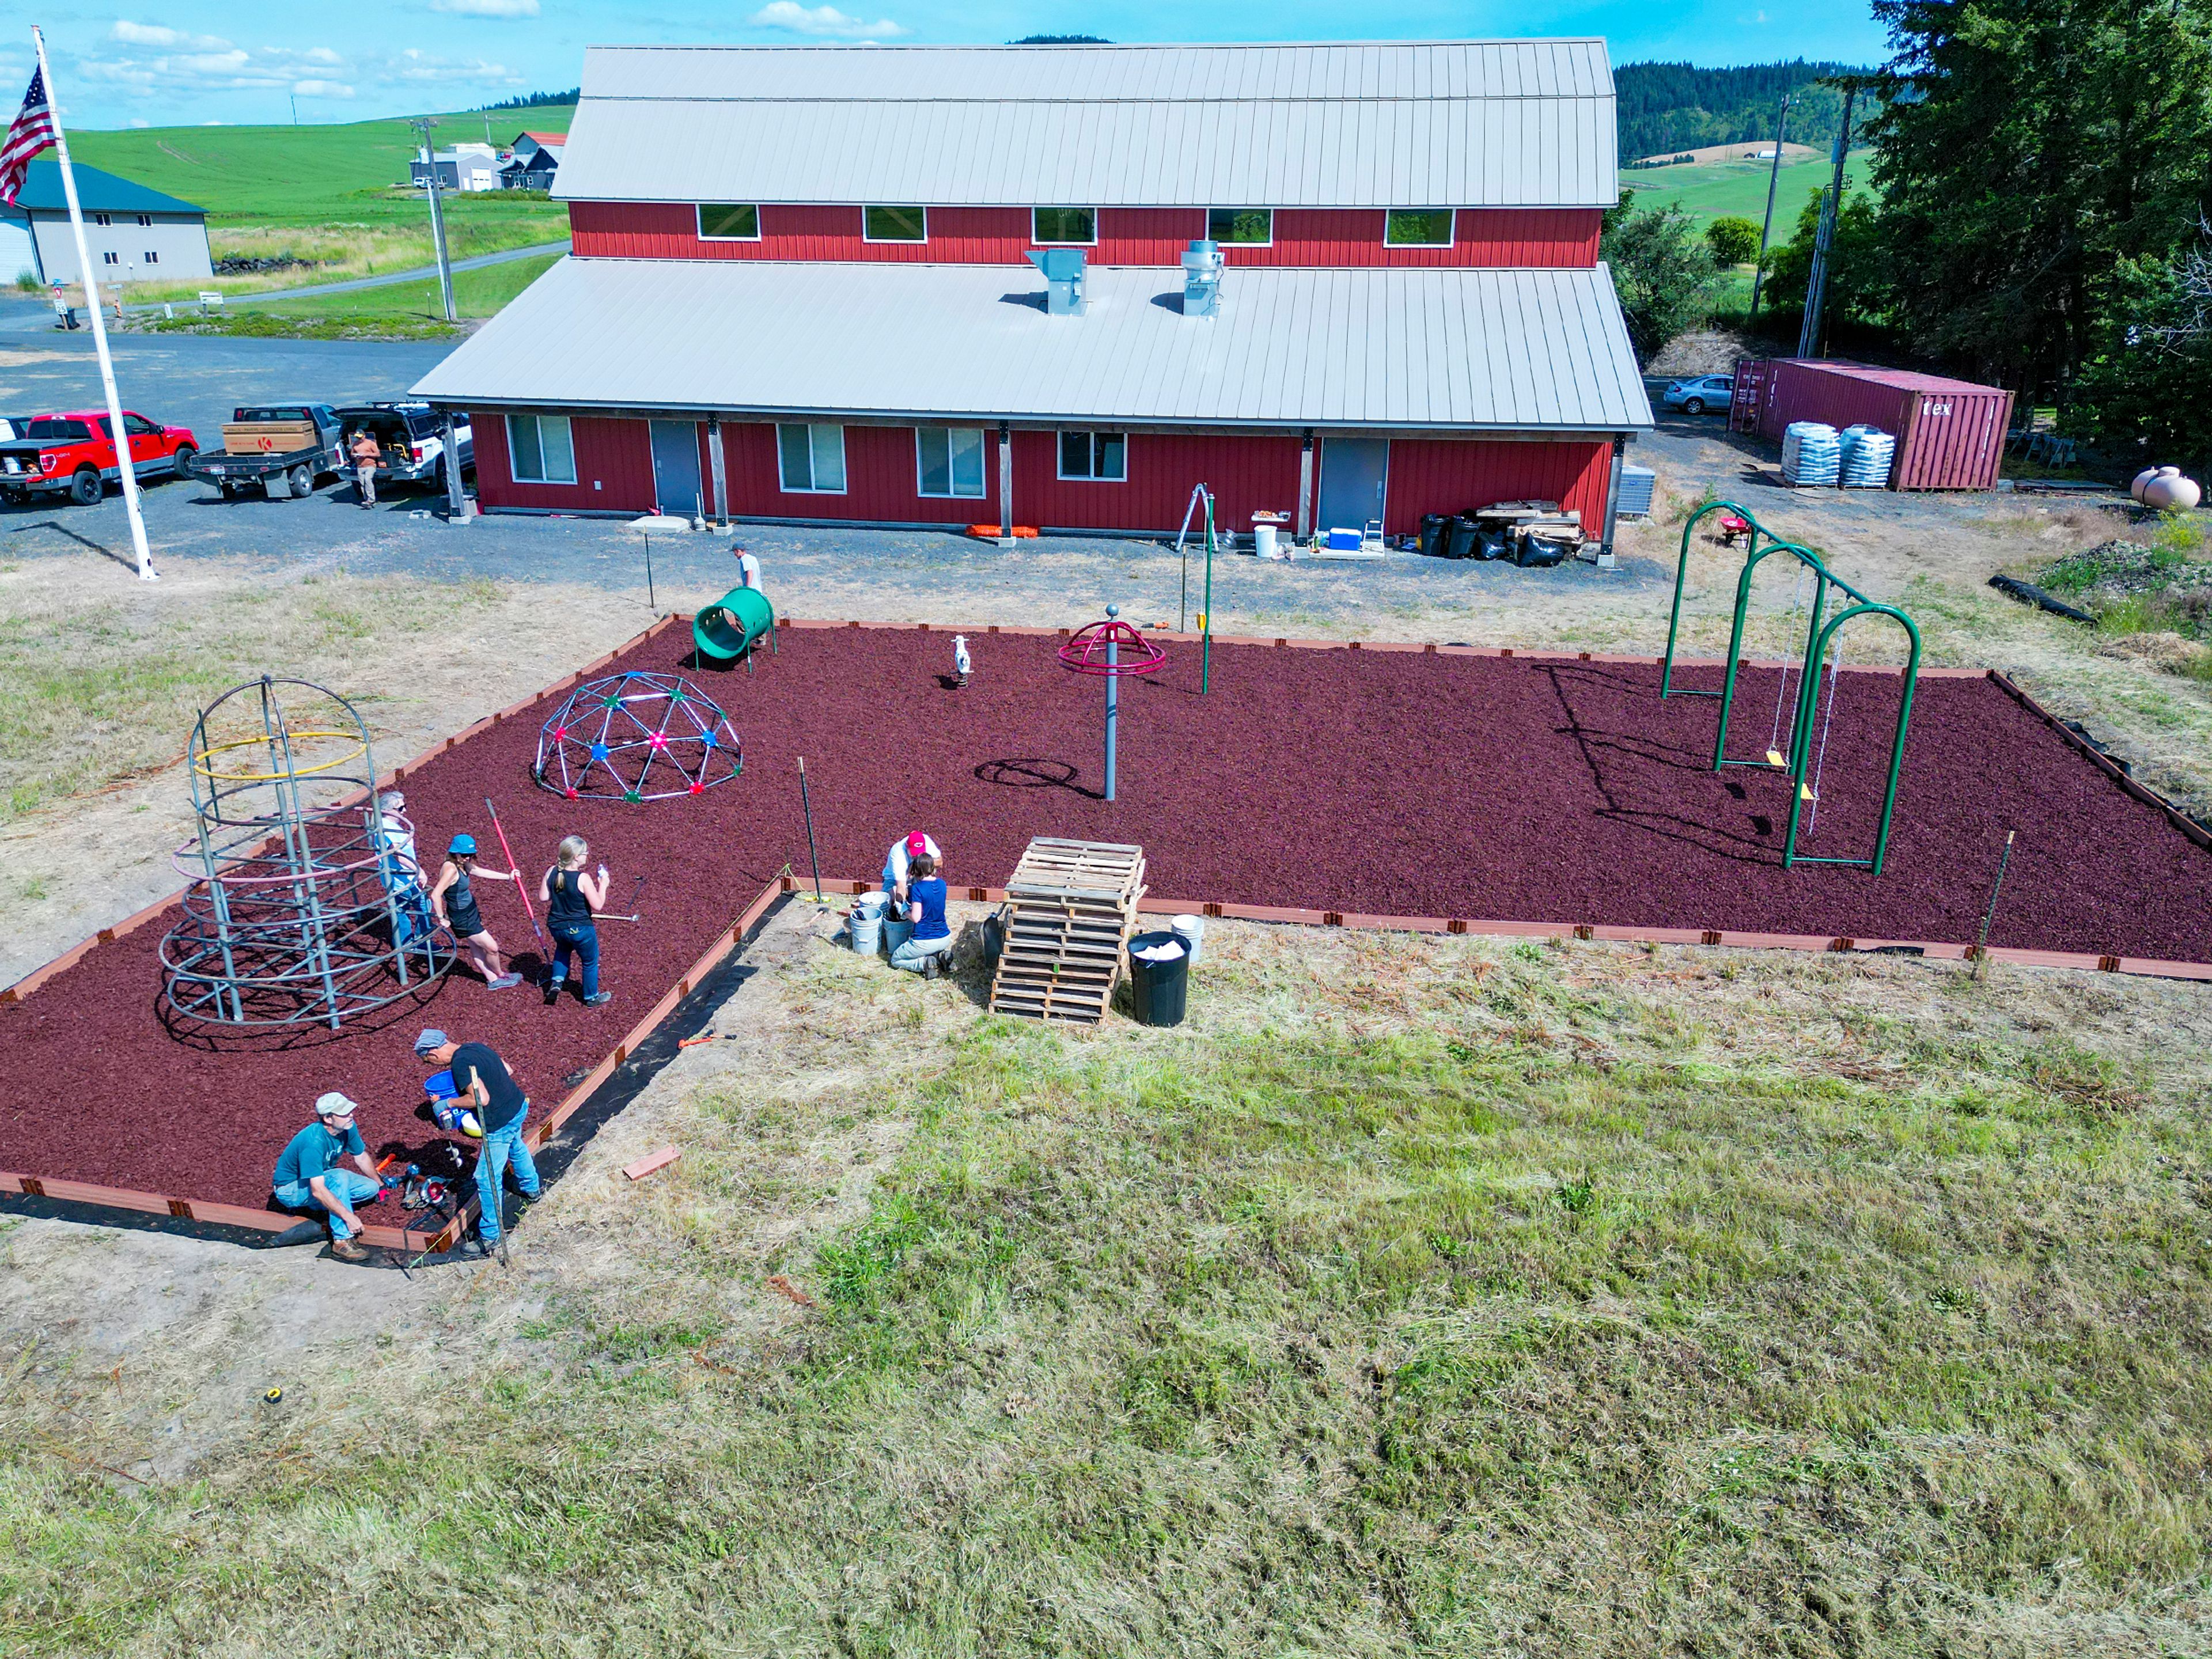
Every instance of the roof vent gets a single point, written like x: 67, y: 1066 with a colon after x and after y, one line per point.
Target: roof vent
x: 1063, y: 276
x: 1201, y: 280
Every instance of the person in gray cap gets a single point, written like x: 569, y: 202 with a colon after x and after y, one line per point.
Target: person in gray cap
x: 480, y: 1075
x: 308, y: 1175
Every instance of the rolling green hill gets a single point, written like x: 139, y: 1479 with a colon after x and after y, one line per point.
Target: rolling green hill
x: 1711, y: 189
x: 299, y: 175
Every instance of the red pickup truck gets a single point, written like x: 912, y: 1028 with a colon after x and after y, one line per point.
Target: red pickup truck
x: 73, y: 451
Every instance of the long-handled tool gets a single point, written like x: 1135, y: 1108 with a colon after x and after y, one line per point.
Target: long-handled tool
x: 521, y: 883
x: 1982, y: 944
x: 806, y: 803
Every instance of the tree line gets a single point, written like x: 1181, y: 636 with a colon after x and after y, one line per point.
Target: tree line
x: 1665, y: 108
x: 2040, y: 215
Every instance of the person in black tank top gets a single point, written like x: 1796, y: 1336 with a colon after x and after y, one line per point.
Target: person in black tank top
x: 571, y: 897
x: 454, y: 901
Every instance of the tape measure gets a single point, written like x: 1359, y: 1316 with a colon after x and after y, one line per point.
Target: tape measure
x: 272, y: 1397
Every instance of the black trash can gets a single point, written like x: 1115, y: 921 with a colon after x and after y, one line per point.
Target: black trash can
x: 1464, y: 533
x: 1435, y: 528
x: 1158, y: 991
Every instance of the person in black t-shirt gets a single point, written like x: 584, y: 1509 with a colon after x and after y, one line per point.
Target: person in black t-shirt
x: 481, y: 1075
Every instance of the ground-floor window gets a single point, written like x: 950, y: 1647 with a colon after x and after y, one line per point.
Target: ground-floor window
x: 1102, y: 456
x: 811, y: 459
x: 949, y: 460
x: 542, y: 448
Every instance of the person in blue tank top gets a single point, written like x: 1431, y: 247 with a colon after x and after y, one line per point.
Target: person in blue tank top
x: 929, y: 949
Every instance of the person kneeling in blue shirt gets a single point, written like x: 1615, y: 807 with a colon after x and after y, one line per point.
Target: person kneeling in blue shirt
x: 308, y: 1176
x: 927, y: 951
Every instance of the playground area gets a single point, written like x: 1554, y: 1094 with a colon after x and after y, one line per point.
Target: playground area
x: 1445, y: 785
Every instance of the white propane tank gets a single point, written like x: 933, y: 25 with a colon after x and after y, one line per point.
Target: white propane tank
x: 2170, y: 490
x: 2142, y: 478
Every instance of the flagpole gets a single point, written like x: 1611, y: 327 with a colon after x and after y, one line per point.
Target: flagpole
x: 122, y: 439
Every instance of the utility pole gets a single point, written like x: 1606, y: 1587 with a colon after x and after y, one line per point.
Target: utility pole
x: 1816, y: 285
x: 295, y: 109
x: 1766, y: 229
x: 422, y: 123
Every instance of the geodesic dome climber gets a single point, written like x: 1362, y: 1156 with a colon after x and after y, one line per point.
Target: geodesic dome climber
x: 297, y: 911
x: 637, y: 737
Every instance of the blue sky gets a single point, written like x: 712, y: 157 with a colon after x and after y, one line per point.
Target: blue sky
x: 245, y: 60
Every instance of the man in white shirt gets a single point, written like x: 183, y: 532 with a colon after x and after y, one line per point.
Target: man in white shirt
x: 895, y: 862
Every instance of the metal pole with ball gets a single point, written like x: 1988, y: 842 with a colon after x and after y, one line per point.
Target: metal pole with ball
x: 1113, y: 697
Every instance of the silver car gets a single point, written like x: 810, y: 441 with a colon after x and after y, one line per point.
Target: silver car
x: 1700, y: 392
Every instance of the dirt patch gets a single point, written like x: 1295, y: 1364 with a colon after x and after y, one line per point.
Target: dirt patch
x: 1701, y: 351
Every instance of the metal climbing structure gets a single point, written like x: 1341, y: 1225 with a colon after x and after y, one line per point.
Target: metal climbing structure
x: 637, y: 737
x: 299, y: 910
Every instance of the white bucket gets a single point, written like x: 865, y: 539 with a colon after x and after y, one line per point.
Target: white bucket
x: 1263, y: 540
x: 1191, y: 929
x: 867, y: 933
x: 871, y: 904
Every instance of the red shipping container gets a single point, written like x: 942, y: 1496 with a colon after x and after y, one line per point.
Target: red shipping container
x: 1950, y: 433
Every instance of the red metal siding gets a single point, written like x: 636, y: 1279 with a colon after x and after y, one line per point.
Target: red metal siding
x: 882, y: 481
x: 1245, y: 474
x: 1529, y: 237
x: 614, y: 467
x: 1450, y: 475
x: 1961, y: 447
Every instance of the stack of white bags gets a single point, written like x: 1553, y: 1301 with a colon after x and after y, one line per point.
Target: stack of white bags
x: 1811, y: 453
x: 1867, y: 451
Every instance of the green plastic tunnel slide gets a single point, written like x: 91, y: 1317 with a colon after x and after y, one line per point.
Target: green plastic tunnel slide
x: 727, y: 629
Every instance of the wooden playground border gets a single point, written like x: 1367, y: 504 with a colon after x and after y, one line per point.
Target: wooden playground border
x: 739, y: 933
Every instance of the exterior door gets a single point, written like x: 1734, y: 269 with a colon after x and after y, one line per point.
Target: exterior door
x: 676, y: 467
x: 1354, y: 474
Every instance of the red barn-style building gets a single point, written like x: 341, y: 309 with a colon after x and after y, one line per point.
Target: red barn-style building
x: 957, y: 285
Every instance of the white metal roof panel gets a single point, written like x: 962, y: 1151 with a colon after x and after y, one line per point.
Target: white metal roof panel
x: 1447, y: 348
x: 1440, y: 123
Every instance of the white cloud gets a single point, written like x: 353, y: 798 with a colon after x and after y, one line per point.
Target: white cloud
x: 487, y: 8
x: 826, y: 22
x: 156, y: 35
x: 420, y: 66
x: 140, y: 121
x: 321, y: 89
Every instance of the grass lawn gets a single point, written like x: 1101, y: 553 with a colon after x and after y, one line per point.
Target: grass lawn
x: 335, y: 196
x: 1714, y: 190
x: 396, y: 311
x: 1422, y: 1296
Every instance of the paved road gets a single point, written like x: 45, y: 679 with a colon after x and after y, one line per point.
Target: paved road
x: 194, y: 380
x: 477, y: 263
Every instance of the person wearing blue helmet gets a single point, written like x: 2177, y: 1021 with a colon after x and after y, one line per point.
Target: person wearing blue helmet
x: 454, y: 900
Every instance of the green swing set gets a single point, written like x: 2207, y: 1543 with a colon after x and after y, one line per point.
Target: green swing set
x: 1804, y: 754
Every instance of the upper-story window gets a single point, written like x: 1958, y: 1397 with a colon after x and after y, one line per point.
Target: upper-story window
x: 1242, y: 227
x: 1418, y: 227
x: 103, y: 219
x: 146, y: 221
x: 1065, y: 225
x: 729, y: 222
x: 895, y: 224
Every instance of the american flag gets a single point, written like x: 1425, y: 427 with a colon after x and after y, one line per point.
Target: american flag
x: 33, y: 131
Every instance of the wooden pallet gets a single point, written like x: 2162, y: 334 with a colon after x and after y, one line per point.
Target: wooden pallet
x: 1070, y: 906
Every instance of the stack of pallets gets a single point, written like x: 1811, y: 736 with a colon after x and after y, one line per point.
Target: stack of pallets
x: 1070, y: 908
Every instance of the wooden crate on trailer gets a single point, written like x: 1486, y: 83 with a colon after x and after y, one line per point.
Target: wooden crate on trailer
x: 1071, y: 906
x: 269, y: 437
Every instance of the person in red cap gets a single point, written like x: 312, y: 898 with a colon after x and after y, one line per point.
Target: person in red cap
x: 897, y: 928
x: 903, y: 854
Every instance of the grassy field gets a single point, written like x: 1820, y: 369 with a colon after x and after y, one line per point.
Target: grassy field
x: 334, y: 196
x: 395, y: 310
x: 1713, y: 190
x: 1422, y: 1296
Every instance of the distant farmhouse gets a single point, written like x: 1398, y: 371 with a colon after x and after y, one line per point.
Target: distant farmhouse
x: 464, y: 166
x: 136, y: 235
x: 531, y: 162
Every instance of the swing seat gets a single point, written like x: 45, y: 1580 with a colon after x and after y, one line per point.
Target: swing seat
x: 1774, y: 759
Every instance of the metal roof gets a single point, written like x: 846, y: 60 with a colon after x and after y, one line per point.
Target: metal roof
x: 97, y: 192
x: 1418, y: 124
x: 1446, y: 348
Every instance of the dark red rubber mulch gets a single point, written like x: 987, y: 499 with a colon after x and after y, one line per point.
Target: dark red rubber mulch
x: 1400, y: 783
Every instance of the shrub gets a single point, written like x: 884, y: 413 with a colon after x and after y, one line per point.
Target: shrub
x: 1733, y: 241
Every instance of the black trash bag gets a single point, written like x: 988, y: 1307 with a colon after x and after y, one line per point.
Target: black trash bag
x: 1538, y: 552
